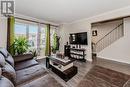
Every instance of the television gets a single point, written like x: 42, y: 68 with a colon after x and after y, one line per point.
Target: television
x: 78, y: 38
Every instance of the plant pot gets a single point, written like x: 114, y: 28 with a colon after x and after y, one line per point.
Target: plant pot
x: 22, y: 57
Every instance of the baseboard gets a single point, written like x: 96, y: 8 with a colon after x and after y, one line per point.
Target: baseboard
x: 113, y: 60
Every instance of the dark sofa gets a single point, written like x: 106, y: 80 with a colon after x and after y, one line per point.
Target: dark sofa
x: 23, y: 71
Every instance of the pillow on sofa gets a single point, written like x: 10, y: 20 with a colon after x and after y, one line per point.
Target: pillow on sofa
x: 2, y: 60
x: 4, y: 52
x: 10, y: 60
x: 9, y: 72
x: 7, y: 56
x: 4, y: 82
x: 0, y: 73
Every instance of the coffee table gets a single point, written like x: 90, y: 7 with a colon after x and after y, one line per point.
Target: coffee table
x: 63, y: 68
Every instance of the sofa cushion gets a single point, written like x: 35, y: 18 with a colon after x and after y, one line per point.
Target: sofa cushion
x: 4, y: 82
x: 44, y: 81
x: 4, y: 52
x: 0, y: 73
x: 9, y: 72
x: 10, y: 60
x: 7, y: 56
x: 28, y: 74
x: 2, y: 60
x: 25, y: 64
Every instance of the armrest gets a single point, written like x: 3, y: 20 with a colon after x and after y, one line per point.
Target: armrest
x: 23, y: 57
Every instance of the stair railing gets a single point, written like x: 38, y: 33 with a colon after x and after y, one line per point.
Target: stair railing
x: 109, y: 38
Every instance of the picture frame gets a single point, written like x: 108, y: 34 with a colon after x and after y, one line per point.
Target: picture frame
x: 94, y: 33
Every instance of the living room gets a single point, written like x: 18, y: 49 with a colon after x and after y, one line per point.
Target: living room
x: 65, y: 43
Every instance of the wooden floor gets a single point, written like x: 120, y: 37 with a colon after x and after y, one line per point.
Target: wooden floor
x: 84, y: 67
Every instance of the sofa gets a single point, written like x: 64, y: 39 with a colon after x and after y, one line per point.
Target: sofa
x: 23, y: 71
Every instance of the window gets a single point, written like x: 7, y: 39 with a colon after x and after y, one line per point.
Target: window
x: 42, y: 37
x: 42, y: 41
x: 20, y: 30
x: 52, y: 32
x: 33, y: 36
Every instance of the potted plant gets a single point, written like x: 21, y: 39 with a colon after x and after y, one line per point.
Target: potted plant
x: 55, y: 45
x: 53, y: 49
x: 20, y: 45
x: 34, y: 53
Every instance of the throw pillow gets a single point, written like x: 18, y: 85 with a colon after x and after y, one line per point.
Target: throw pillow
x: 7, y: 56
x: 4, y: 82
x: 0, y: 73
x: 4, y: 52
x: 9, y: 72
x: 2, y: 60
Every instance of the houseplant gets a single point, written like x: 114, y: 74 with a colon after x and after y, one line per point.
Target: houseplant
x: 20, y: 45
x: 34, y: 53
x: 55, y: 45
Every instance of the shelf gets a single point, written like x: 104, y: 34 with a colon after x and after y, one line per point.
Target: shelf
x: 77, y: 54
x: 77, y: 49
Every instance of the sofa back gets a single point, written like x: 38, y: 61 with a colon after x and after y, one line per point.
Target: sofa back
x: 23, y: 57
x: 7, y: 56
x: 7, y: 69
x: 0, y: 72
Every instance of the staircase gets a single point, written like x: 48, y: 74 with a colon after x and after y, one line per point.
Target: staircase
x: 108, y: 39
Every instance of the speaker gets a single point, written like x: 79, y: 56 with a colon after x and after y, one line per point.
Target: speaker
x: 67, y: 50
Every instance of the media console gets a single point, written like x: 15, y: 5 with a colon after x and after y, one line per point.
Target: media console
x: 75, y: 53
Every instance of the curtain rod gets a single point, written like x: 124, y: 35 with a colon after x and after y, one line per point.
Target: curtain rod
x: 35, y: 21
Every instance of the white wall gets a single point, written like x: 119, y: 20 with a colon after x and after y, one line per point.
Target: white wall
x: 85, y: 26
x: 119, y: 50
x: 63, y: 36
x: 3, y: 31
x: 74, y: 28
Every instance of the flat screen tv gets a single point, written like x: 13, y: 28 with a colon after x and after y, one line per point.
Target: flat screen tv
x: 78, y: 38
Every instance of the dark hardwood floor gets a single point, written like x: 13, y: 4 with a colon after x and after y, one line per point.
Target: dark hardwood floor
x: 84, y: 67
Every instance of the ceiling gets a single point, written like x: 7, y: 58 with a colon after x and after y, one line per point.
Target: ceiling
x: 65, y: 11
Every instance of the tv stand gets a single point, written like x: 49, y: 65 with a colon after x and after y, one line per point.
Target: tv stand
x: 78, y: 54
x: 75, y: 53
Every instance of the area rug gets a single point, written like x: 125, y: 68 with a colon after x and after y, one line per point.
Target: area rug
x: 103, y: 77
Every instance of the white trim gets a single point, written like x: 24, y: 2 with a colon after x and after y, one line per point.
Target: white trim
x: 113, y: 60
